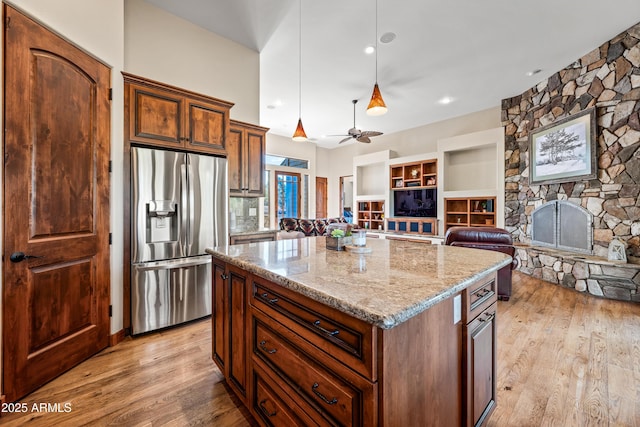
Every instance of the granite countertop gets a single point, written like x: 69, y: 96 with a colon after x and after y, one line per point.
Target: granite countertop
x: 393, y: 283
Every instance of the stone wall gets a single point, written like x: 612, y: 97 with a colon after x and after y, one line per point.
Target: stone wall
x: 607, y: 78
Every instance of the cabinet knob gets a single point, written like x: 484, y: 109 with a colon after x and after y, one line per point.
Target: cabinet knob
x: 224, y: 276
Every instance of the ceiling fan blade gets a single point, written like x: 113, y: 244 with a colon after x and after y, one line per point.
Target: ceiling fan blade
x: 345, y: 140
x: 364, y: 139
x: 342, y: 134
x: 371, y: 133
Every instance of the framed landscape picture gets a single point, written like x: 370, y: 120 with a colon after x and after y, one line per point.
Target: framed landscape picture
x: 564, y: 151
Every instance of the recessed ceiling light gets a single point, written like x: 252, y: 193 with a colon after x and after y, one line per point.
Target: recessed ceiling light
x: 369, y: 50
x: 387, y: 37
x: 445, y: 100
x: 533, y: 72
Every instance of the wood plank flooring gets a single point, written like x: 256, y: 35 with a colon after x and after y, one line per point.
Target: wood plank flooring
x: 564, y: 359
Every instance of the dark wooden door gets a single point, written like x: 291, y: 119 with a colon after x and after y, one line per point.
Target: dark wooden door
x: 321, y: 197
x: 56, y: 198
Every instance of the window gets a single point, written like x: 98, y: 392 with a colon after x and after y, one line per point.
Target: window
x: 286, y: 161
x: 287, y: 191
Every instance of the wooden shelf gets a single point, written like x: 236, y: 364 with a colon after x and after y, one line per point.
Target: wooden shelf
x: 469, y: 212
x: 371, y: 214
x: 414, y: 175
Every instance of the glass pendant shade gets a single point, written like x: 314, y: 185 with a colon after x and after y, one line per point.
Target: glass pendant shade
x: 299, y: 134
x: 376, y: 106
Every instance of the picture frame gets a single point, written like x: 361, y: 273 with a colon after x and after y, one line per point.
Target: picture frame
x: 564, y: 151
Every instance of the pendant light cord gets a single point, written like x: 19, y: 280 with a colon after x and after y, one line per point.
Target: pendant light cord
x: 300, y: 60
x: 376, y: 41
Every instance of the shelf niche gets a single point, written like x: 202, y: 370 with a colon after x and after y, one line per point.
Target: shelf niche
x: 470, y: 212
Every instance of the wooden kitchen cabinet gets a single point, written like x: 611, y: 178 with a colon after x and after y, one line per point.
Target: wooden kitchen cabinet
x: 245, y: 159
x: 311, y: 364
x: 480, y: 349
x: 165, y: 116
x: 230, y: 339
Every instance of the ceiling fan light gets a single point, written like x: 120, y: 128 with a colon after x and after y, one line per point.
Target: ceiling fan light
x: 299, y: 135
x: 376, y: 107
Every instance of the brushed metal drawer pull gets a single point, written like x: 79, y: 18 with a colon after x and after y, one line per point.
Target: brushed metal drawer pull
x: 483, y: 293
x: 489, y: 317
x: 317, y: 393
x: 272, y: 300
x: 317, y: 325
x: 265, y: 349
x: 265, y: 410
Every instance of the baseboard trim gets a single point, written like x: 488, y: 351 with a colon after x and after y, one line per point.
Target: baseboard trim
x: 116, y: 338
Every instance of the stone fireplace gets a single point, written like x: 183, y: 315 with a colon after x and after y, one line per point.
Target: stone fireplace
x: 607, y: 79
x: 562, y: 225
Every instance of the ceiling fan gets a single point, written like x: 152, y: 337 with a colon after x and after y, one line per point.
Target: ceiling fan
x: 357, y: 134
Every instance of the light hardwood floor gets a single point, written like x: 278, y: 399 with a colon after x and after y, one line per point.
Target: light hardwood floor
x: 564, y: 359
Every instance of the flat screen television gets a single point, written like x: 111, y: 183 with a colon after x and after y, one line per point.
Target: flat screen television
x: 418, y: 203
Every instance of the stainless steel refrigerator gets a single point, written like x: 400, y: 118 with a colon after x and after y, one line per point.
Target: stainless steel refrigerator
x: 178, y: 208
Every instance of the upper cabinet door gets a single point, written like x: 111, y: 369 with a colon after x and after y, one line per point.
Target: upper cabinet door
x: 245, y: 157
x: 207, y: 124
x: 255, y: 163
x: 155, y: 117
x: 166, y: 116
x: 234, y: 159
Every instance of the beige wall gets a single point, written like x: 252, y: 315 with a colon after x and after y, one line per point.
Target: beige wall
x: 337, y: 162
x: 169, y: 49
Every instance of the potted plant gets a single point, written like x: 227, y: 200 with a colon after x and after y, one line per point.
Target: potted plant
x: 338, y: 238
x: 335, y: 240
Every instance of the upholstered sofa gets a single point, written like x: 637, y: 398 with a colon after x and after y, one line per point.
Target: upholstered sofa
x: 489, y: 238
x: 312, y: 227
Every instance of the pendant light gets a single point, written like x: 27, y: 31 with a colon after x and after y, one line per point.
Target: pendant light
x: 299, y: 134
x: 376, y: 107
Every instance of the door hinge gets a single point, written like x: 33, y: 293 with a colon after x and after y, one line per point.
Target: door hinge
x: 110, y: 94
x: 110, y: 311
x: 110, y: 166
x: 110, y: 238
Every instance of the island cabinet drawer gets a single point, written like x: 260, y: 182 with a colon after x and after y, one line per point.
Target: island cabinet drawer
x: 480, y: 295
x: 340, y: 398
x: 273, y: 407
x: 341, y: 336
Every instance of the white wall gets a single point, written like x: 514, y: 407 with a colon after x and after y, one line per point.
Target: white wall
x: 163, y: 47
x: 96, y: 26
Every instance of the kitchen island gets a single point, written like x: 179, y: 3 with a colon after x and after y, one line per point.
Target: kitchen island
x: 404, y: 335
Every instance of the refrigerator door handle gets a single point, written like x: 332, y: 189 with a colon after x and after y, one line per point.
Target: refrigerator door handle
x: 192, y: 208
x: 173, y: 264
x: 184, y: 220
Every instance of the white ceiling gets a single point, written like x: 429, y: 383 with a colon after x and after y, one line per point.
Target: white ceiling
x: 476, y: 52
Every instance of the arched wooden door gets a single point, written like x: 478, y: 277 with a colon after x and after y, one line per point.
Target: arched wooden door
x: 56, y: 205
